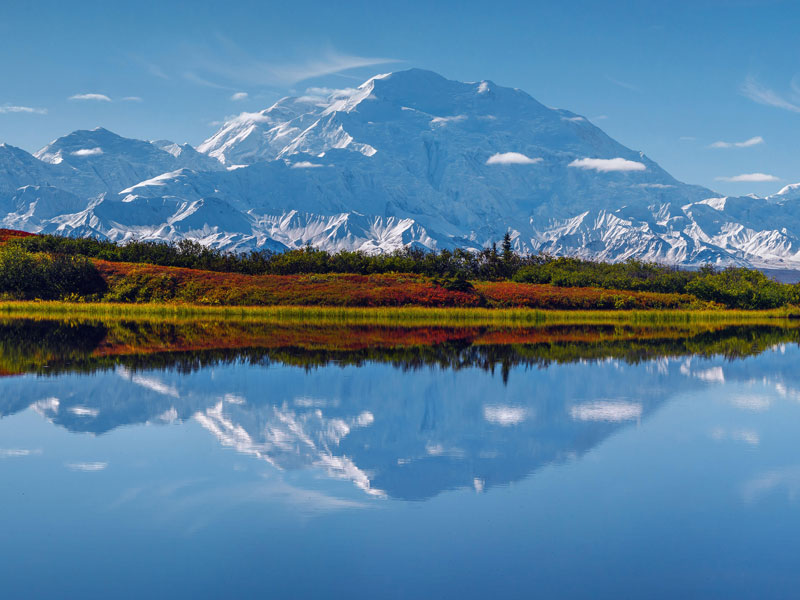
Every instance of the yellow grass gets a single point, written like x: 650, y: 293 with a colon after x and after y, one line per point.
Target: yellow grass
x: 383, y: 315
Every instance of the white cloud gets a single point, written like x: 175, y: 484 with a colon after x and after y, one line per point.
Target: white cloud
x: 239, y: 96
x: 503, y: 415
x: 325, y: 92
x: 624, y: 84
x: 132, y: 99
x: 195, y: 78
x: 304, y: 164
x: 321, y: 95
x: 573, y: 119
x: 326, y: 64
x: 511, y: 158
x: 157, y: 71
x: 229, y: 62
x: 613, y: 412
x: 87, y: 466
x: 87, y: 152
x: 750, y: 178
x: 8, y: 108
x: 97, y: 97
x: 753, y: 141
x: 151, y: 68
x: 607, y: 165
x: 754, y: 90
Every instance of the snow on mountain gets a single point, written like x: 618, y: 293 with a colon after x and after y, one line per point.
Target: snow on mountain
x: 186, y: 157
x: 18, y: 169
x: 100, y: 161
x: 789, y: 193
x: 405, y: 158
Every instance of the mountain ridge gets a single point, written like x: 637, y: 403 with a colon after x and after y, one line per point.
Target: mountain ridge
x: 407, y: 158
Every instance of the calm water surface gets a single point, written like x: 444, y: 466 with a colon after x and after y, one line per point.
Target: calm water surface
x: 462, y: 471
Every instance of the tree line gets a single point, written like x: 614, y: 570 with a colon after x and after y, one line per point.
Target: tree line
x: 51, y: 266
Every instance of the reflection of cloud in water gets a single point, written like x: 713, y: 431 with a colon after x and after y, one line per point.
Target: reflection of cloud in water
x: 87, y: 466
x: 613, y: 412
x: 748, y: 436
x: 503, y: 415
x: 787, y: 478
x: 440, y: 450
x: 82, y: 411
x: 751, y: 402
x: 17, y: 452
x: 194, y: 503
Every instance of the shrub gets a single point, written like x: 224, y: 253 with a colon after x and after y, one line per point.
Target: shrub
x: 742, y: 288
x: 27, y: 276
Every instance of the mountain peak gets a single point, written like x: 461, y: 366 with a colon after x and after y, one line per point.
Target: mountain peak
x: 789, y: 192
x: 407, y: 158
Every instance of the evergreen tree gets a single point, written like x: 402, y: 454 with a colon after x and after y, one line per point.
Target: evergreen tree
x: 508, y: 253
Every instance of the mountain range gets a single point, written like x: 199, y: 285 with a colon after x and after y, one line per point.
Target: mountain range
x: 407, y: 158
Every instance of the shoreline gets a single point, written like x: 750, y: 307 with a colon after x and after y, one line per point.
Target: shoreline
x: 398, y: 316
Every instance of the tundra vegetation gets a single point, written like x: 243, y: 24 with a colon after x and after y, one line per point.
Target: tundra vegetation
x: 50, y: 267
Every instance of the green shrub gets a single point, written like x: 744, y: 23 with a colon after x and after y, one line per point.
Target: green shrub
x: 27, y: 276
x: 742, y: 288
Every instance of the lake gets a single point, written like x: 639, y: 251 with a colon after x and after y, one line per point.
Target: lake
x: 224, y: 460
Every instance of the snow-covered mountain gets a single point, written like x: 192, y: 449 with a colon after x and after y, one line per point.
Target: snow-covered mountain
x: 405, y: 158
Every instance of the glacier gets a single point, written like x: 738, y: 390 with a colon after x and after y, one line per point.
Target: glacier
x: 406, y: 159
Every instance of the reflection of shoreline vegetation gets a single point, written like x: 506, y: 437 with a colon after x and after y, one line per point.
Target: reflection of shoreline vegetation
x: 51, y: 346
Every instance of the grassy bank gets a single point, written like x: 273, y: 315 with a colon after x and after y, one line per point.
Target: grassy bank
x: 385, y: 315
x: 55, y: 268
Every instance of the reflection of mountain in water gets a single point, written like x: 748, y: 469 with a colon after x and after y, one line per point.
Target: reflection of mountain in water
x: 441, y: 421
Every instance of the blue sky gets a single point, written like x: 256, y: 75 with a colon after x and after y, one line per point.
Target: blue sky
x: 669, y: 78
